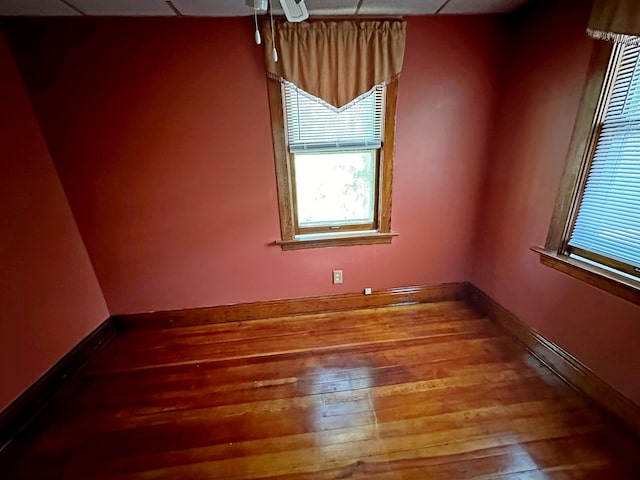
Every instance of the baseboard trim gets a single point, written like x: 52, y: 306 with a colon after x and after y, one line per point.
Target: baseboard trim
x: 561, y: 362
x: 295, y: 306
x: 30, y: 406
x: 24, y: 409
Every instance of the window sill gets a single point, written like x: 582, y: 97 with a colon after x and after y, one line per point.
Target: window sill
x: 342, y: 240
x: 598, y: 277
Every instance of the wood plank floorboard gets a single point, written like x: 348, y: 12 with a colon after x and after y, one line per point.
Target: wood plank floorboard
x: 428, y: 391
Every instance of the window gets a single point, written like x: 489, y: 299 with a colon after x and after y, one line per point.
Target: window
x: 332, y: 95
x: 334, y: 159
x: 607, y: 225
x: 334, y: 166
x: 595, y: 231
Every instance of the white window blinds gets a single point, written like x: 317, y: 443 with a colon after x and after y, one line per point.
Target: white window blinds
x: 608, y: 221
x: 313, y: 125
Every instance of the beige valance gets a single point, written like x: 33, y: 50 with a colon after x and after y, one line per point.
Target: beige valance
x: 336, y: 61
x: 615, y: 20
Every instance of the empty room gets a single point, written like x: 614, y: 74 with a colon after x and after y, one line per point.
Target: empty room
x: 320, y: 239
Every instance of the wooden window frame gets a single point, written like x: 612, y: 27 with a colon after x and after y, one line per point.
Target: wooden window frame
x: 555, y: 253
x: 381, y: 234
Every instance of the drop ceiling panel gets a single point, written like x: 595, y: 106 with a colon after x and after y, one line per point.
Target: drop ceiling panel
x: 232, y: 8
x: 124, y: 8
x: 212, y: 8
x: 485, y: 6
x: 26, y: 8
x: 401, y: 7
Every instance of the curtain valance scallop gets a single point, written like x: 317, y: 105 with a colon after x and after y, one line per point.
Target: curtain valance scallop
x: 336, y: 61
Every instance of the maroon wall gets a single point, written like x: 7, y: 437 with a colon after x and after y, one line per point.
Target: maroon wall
x: 548, y: 58
x: 161, y: 135
x: 159, y: 129
x: 49, y: 296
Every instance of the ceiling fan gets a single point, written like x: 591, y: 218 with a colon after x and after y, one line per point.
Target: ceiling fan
x: 294, y: 10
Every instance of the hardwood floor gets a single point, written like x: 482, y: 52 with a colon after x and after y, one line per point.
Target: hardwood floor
x: 429, y: 391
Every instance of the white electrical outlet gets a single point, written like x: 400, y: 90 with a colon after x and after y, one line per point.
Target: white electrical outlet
x: 337, y: 276
x: 367, y: 291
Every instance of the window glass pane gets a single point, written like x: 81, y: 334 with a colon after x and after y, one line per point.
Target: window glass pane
x: 335, y: 188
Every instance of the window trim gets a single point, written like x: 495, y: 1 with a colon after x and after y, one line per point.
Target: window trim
x: 284, y: 177
x: 555, y: 253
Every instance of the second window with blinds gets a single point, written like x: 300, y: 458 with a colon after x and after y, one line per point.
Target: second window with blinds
x: 606, y: 228
x: 334, y: 166
x: 595, y: 229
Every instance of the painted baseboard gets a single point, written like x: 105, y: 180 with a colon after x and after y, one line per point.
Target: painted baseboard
x: 561, y: 362
x: 18, y: 415
x: 295, y: 306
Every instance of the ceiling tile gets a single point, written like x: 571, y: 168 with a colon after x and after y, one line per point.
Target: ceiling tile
x: 232, y: 8
x: 123, y: 7
x: 400, y: 7
x: 28, y: 8
x: 212, y: 8
x: 485, y: 6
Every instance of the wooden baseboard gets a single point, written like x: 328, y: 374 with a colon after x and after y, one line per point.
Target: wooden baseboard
x: 565, y: 365
x: 23, y: 410
x: 295, y: 306
x: 30, y: 406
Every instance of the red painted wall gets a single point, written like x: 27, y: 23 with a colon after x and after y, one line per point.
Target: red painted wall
x: 548, y: 59
x: 160, y: 132
x: 49, y: 296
